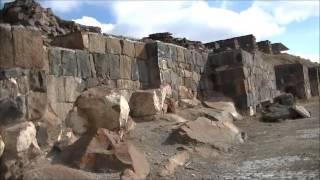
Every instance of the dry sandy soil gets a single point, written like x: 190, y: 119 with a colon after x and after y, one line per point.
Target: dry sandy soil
x: 285, y: 150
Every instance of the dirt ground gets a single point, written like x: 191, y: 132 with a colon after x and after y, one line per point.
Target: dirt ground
x: 285, y: 150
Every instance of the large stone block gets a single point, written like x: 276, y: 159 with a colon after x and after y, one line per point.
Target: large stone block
x: 101, y: 65
x: 134, y: 70
x: 37, y: 80
x: 125, y: 67
x: 180, y: 54
x: 69, y: 63
x: 37, y: 104
x: 143, y: 71
x: 97, y: 43
x: 128, y: 48
x: 54, y: 57
x: 114, y: 66
x: 6, y: 47
x: 163, y: 50
x: 113, y: 46
x: 28, y: 48
x: 74, y: 40
x: 73, y: 88
x: 140, y: 50
x: 84, y: 65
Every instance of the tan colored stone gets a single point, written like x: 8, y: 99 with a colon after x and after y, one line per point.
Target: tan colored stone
x: 128, y: 48
x: 178, y: 159
x: 103, y: 108
x: 37, y: 105
x: 140, y: 50
x: 113, y: 46
x: 226, y: 106
x: 74, y: 40
x: 2, y: 146
x: 125, y: 67
x: 144, y: 103
x: 28, y: 48
x: 6, y: 47
x: 97, y: 43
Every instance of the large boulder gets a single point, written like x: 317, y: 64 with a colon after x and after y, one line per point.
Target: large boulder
x: 285, y: 99
x: 12, y: 110
x: 221, y: 135
x: 277, y: 112
x: 102, y: 151
x: 224, y: 106
x: 103, y: 108
x: 144, y: 103
x: 21, y: 148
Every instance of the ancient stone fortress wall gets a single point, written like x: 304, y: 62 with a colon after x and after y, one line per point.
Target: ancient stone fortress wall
x: 243, y: 76
x: 313, y: 73
x: 293, y: 78
x: 182, y: 69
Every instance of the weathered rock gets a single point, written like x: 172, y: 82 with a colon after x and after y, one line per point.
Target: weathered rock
x: 221, y: 135
x: 103, y: 150
x: 128, y: 48
x: 49, y: 128
x: 18, y: 138
x: 301, y: 111
x: 6, y: 47
x: 28, y: 48
x: 178, y: 159
x: 65, y: 139
x: 12, y: 110
x: 189, y: 103
x: 173, y: 118
x: 277, y: 112
x: 103, y: 108
x: 140, y: 50
x: 224, y: 106
x: 37, y: 105
x: 171, y: 105
x: 97, y: 43
x: 77, y: 121
x: 144, y: 103
x: 2, y: 146
x: 285, y: 99
x: 113, y: 46
x: 185, y: 93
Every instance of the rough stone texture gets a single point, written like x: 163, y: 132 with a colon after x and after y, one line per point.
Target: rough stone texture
x: 2, y: 146
x: 37, y: 105
x: 293, y: 78
x: 314, y: 78
x: 28, y: 48
x: 84, y: 65
x: 69, y: 63
x: 75, y: 40
x: 97, y: 43
x: 144, y: 103
x: 128, y: 48
x: 103, y: 108
x: 18, y: 138
x: 113, y: 46
x: 125, y: 67
x: 140, y: 51
x: 6, y: 47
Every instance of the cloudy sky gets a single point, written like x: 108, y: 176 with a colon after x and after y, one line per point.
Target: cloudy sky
x: 293, y: 22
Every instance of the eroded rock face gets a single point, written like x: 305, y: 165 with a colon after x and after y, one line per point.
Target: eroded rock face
x: 103, y: 108
x: 224, y: 106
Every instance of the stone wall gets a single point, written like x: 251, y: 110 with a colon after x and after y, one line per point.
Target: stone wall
x: 293, y: 78
x: 181, y: 68
x: 243, y: 76
x: 314, y: 81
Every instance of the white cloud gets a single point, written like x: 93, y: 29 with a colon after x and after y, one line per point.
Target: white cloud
x: 90, y: 21
x: 62, y: 6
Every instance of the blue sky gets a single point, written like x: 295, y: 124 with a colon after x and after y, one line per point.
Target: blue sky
x: 295, y: 23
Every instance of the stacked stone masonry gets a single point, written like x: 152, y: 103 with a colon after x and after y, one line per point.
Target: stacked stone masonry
x: 243, y: 76
x: 56, y: 74
x: 293, y: 78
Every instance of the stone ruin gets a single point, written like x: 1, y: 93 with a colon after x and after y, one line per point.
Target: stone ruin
x: 47, y: 63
